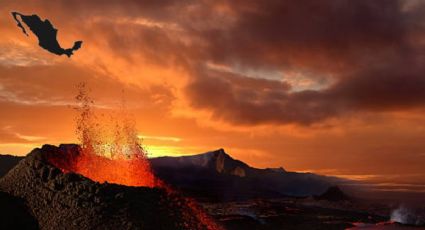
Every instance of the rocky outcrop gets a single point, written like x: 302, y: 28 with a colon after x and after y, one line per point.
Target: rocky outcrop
x: 223, y: 163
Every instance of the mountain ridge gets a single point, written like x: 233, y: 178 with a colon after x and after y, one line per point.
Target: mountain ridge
x: 217, y: 160
x: 217, y: 176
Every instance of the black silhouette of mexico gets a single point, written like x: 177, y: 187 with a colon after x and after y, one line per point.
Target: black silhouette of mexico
x: 45, y: 32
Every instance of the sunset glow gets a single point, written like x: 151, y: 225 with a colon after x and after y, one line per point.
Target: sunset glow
x: 347, y: 99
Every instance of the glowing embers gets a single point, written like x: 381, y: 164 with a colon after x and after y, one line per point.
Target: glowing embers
x: 110, y: 149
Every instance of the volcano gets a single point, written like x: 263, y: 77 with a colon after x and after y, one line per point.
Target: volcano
x: 334, y: 193
x: 61, y: 199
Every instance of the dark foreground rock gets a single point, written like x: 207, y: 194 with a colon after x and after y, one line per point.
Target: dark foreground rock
x: 71, y: 201
x: 14, y: 214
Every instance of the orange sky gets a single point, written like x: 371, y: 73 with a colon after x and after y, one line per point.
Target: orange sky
x: 335, y: 87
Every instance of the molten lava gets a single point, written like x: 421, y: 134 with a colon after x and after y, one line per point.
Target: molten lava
x: 131, y: 172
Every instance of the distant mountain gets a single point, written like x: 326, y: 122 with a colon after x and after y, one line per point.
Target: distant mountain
x: 217, y: 176
x: 7, y: 162
x: 333, y: 193
x: 214, y: 161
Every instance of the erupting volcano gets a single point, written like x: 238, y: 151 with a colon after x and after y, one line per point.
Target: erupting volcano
x: 66, y: 185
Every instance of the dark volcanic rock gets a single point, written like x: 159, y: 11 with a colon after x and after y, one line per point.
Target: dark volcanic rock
x: 14, y: 214
x: 71, y: 201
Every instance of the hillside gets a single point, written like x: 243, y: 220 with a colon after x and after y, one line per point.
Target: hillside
x: 216, y: 175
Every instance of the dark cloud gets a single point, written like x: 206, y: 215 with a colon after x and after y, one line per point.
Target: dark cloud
x: 368, y: 48
x: 394, y: 86
x: 243, y: 100
x: 307, y: 34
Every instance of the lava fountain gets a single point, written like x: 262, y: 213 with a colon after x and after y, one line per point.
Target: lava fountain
x: 107, y: 154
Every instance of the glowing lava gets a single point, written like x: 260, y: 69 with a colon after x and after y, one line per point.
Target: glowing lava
x: 130, y: 172
x: 107, y: 154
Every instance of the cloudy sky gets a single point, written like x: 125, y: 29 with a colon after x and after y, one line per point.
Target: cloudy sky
x: 335, y: 87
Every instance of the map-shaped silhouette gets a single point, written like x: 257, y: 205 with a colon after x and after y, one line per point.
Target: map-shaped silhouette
x: 45, y: 32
